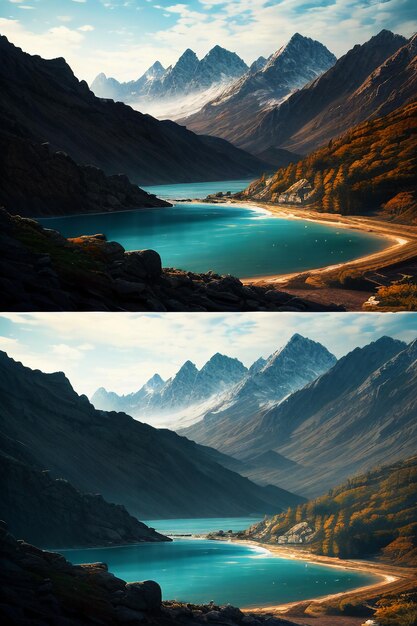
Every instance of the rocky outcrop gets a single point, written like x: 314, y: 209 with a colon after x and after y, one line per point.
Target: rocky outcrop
x: 37, y: 181
x: 42, y: 271
x: 42, y: 588
x: 51, y: 512
x: 297, y: 534
x: 43, y: 101
x: 298, y: 193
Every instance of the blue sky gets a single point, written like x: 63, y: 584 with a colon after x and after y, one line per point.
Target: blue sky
x: 123, y: 350
x: 124, y: 37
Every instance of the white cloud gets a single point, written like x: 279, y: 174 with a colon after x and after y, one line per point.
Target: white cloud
x: 86, y: 28
x: 55, y: 42
x: 121, y: 351
x: 248, y: 27
x: 25, y: 6
x: 64, y: 18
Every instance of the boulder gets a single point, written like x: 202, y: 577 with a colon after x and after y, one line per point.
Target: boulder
x: 143, y: 596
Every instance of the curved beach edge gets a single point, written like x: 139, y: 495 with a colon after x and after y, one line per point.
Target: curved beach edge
x: 391, y: 577
x: 403, y: 239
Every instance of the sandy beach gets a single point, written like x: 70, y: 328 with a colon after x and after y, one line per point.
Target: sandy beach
x: 401, y: 239
x: 392, y: 579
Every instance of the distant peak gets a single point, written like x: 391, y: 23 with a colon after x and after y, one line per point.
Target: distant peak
x: 384, y: 36
x: 298, y: 337
x: 187, y: 367
x: 155, y: 380
x: 188, y: 53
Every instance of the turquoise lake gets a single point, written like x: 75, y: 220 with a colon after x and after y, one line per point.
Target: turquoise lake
x: 198, y: 570
x: 227, y: 239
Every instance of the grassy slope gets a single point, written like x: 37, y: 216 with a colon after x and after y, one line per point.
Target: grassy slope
x: 369, y: 514
x: 371, y: 167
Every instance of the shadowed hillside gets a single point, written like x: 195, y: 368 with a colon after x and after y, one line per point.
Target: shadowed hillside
x: 43, y: 101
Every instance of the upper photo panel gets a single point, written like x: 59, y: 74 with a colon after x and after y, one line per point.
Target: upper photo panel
x: 208, y: 155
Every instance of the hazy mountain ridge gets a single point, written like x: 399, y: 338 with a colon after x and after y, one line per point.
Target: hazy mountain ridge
x: 154, y: 473
x: 188, y: 387
x: 223, y: 386
x: 43, y: 101
x: 374, y: 513
x: 340, y: 424
x: 288, y: 369
x: 186, y: 75
x: 231, y: 114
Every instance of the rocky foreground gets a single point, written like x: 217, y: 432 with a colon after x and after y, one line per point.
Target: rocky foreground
x: 41, y: 270
x: 41, y: 588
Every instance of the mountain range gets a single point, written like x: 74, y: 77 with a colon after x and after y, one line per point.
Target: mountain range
x: 358, y: 414
x: 42, y: 101
x: 371, y: 79
x: 154, y: 473
x: 168, y: 91
x: 222, y: 386
x: 233, y: 113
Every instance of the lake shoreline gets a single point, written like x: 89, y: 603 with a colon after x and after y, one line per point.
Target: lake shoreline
x: 403, y: 236
x: 392, y: 577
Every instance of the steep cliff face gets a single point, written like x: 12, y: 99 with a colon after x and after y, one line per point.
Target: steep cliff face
x: 51, y: 512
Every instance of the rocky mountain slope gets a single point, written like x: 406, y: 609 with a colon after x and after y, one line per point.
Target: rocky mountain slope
x: 154, y: 473
x: 231, y: 115
x: 187, y: 75
x: 37, y: 181
x: 42, y: 271
x: 188, y: 389
x: 372, y: 167
x: 288, y: 369
x: 359, y: 414
x: 371, y: 79
x: 44, y: 102
x: 374, y: 513
x: 44, y: 586
x: 51, y: 512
